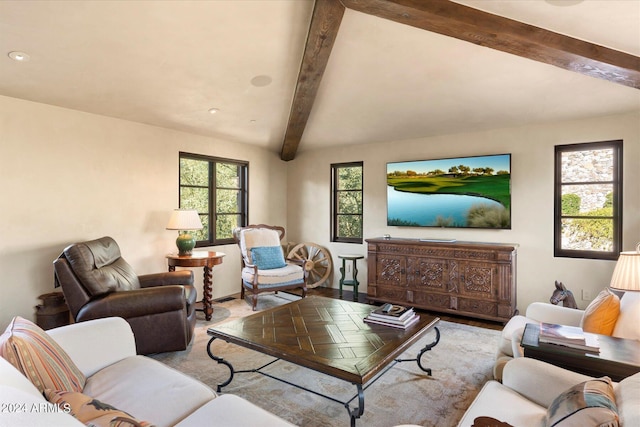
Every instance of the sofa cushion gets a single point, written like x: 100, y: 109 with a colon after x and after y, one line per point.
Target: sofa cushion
x: 91, y: 411
x: 288, y: 275
x: 500, y: 402
x: 149, y: 390
x: 96, y: 344
x: 590, y: 403
x: 232, y: 411
x: 27, y: 347
x: 628, y: 400
x: 601, y: 314
x: 268, y: 257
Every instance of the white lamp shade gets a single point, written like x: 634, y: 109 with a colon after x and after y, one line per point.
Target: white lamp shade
x: 184, y: 219
x: 626, y: 276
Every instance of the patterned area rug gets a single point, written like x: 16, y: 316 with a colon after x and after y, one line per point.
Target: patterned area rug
x: 461, y: 362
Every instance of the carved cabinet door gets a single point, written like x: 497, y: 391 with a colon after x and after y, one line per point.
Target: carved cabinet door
x: 477, y: 288
x: 477, y: 279
x: 429, y: 280
x: 432, y: 273
x: 391, y: 270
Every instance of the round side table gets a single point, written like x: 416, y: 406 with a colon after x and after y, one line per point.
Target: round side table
x: 354, y: 275
x: 204, y: 259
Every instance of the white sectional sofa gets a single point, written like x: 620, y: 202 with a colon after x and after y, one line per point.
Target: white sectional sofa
x: 530, y: 386
x: 104, y: 351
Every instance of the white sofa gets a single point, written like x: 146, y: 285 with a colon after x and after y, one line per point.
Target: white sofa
x: 104, y: 350
x: 626, y: 325
x: 529, y: 387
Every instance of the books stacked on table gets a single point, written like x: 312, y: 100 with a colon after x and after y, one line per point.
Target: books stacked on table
x: 396, y: 316
x: 568, y: 336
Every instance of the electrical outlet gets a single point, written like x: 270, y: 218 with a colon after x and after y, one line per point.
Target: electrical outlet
x: 586, y: 295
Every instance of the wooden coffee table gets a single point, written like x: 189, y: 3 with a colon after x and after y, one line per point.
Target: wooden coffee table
x: 618, y: 358
x: 328, y: 336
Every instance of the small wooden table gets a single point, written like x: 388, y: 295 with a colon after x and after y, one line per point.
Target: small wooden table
x: 618, y: 358
x: 206, y: 259
x: 329, y: 336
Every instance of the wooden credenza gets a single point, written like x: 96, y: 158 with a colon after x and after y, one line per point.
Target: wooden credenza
x: 466, y: 278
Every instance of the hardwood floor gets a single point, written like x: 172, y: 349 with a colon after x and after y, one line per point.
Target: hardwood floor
x: 348, y: 295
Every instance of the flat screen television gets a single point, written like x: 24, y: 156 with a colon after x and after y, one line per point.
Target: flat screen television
x: 461, y: 192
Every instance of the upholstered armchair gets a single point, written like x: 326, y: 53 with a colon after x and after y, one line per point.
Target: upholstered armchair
x: 607, y: 314
x: 97, y: 282
x: 264, y: 268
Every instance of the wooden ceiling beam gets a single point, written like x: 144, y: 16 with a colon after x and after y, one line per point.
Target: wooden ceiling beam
x: 504, y: 34
x: 453, y: 20
x: 325, y: 23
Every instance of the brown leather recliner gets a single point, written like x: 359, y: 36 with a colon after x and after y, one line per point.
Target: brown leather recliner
x: 97, y: 282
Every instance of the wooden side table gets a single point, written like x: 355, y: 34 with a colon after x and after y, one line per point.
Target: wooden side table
x: 53, y: 312
x: 618, y: 358
x: 204, y: 259
x: 354, y: 276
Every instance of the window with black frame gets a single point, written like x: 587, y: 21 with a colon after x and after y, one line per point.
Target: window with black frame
x: 346, y: 202
x: 218, y: 189
x: 588, y: 200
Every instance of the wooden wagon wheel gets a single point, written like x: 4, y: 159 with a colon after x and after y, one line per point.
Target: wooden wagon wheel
x: 317, y: 262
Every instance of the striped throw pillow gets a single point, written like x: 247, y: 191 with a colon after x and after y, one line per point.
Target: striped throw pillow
x: 32, y: 351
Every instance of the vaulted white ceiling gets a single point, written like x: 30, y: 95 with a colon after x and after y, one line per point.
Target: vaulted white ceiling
x: 166, y: 63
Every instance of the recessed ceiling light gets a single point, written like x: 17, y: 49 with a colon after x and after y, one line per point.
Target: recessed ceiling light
x: 213, y: 110
x: 260, y: 81
x: 19, y: 56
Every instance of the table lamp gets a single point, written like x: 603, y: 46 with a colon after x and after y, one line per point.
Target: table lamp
x: 626, y: 275
x: 185, y: 220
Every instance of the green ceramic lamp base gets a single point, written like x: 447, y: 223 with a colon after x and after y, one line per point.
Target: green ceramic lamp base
x: 185, y: 243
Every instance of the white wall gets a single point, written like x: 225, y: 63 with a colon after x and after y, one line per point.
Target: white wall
x: 532, y: 149
x: 69, y: 176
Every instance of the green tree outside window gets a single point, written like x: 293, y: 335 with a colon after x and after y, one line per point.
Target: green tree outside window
x: 217, y: 189
x: 588, y: 200
x: 347, y: 198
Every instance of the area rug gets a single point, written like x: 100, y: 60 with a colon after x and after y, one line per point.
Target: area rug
x: 461, y: 362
